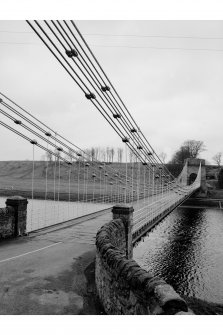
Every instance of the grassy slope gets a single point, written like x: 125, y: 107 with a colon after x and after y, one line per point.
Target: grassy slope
x: 18, y: 174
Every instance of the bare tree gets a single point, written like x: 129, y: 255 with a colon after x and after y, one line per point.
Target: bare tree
x: 112, y: 153
x: 194, y: 147
x: 92, y: 154
x: 120, y: 155
x: 108, y: 154
x: 217, y: 158
x: 49, y: 156
x: 57, y: 154
x: 103, y: 154
x: 131, y: 156
x: 162, y: 156
x: 99, y: 154
x: 96, y: 153
x: 69, y: 155
x: 189, y: 149
x: 80, y: 157
x: 88, y: 152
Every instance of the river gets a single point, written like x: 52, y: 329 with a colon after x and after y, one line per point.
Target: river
x: 186, y: 249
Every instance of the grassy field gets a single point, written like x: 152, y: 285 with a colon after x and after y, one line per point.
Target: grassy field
x: 16, y: 178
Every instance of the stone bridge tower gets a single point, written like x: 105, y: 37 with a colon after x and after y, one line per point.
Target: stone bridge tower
x: 192, y: 170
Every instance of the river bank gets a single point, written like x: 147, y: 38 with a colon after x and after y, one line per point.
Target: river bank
x: 203, y: 203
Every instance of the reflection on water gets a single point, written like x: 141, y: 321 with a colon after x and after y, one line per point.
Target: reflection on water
x: 41, y: 213
x: 186, y: 249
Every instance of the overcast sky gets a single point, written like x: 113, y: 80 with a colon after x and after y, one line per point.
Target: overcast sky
x: 174, y: 93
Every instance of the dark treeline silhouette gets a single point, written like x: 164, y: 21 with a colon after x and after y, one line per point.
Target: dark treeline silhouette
x: 189, y: 149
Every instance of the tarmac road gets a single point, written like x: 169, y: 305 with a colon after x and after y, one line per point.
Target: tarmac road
x: 43, y: 273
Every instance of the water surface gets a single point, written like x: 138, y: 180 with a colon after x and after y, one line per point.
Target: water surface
x: 186, y: 249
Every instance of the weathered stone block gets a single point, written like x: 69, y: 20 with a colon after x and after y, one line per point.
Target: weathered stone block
x: 20, y: 211
x: 168, y: 298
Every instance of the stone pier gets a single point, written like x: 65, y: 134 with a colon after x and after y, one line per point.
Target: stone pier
x: 13, y: 217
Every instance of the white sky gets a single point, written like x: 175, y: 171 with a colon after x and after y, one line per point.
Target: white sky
x: 174, y: 95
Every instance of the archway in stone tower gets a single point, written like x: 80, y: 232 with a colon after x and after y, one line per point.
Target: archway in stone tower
x: 192, y: 178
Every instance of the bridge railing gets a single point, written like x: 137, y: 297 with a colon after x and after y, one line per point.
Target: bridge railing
x: 147, y: 214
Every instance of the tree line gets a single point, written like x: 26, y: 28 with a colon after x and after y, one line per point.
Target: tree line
x: 106, y: 154
x: 189, y: 149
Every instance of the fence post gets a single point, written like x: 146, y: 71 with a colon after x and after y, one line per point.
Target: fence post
x: 125, y: 213
x: 20, y: 209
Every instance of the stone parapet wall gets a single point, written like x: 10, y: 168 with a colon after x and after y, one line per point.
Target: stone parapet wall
x: 122, y: 285
x: 7, y: 222
x: 13, y: 217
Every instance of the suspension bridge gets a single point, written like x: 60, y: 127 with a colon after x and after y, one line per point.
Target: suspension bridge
x: 92, y: 186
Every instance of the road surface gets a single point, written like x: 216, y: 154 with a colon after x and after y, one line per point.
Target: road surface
x: 44, y: 273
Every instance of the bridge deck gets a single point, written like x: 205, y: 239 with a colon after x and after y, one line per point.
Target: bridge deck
x: 44, y: 273
x: 150, y: 211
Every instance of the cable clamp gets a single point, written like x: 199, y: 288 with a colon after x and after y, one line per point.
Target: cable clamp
x: 90, y: 96
x: 18, y: 122
x: 117, y: 116
x: 71, y: 53
x: 105, y: 88
x: 33, y: 142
